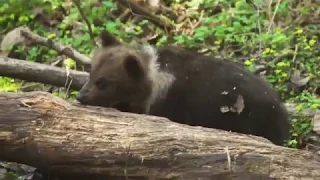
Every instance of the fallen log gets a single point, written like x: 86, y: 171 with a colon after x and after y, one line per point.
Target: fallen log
x: 36, y: 72
x: 44, y: 131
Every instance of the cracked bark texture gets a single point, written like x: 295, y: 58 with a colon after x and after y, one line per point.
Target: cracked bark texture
x: 46, y: 132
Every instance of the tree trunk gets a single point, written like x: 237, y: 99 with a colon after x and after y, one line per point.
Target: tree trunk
x: 43, y: 131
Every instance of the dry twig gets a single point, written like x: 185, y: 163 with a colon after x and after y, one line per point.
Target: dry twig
x: 137, y: 10
x: 274, y: 15
x: 66, y: 50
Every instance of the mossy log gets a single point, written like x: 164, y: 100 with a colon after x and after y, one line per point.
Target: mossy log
x: 41, y: 130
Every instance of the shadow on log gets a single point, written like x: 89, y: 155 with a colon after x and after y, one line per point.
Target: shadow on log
x: 43, y: 131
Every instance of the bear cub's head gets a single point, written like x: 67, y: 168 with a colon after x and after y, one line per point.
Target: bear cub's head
x: 120, y: 77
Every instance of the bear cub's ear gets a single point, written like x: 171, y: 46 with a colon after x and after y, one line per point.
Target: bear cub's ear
x: 133, y: 66
x: 108, y: 39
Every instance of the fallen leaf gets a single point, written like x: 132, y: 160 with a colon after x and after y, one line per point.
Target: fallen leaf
x: 154, y: 3
x: 298, y: 80
x: 224, y: 109
x: 316, y: 122
x: 238, y: 106
x: 13, y: 38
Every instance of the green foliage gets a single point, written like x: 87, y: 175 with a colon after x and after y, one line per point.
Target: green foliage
x: 10, y: 176
x: 249, y: 32
x: 64, y: 95
x: 9, y: 85
x: 307, y: 100
x: 300, y: 129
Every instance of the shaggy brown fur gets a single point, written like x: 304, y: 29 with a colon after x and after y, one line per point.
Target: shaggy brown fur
x: 186, y: 87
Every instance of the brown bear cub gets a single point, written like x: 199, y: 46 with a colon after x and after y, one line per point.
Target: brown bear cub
x: 185, y: 87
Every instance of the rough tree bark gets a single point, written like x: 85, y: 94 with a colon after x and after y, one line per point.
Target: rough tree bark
x: 46, y: 132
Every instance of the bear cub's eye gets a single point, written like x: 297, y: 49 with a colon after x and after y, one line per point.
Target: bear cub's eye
x: 101, y: 83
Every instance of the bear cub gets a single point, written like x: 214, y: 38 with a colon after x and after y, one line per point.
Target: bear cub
x: 185, y: 87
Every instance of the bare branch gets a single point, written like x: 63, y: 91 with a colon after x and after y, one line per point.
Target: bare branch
x: 77, y: 4
x: 62, y: 49
x: 137, y: 10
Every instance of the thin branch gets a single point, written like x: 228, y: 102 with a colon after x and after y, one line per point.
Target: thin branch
x: 66, y: 50
x: 273, y: 16
x: 77, y: 4
x: 274, y: 61
x: 137, y: 10
x: 293, y: 59
x: 259, y: 29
